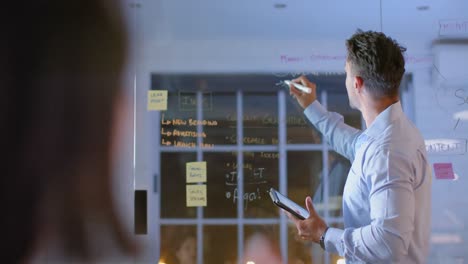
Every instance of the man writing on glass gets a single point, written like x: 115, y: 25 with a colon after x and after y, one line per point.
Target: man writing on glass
x: 387, y: 195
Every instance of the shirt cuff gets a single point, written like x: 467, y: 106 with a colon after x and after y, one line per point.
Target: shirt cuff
x: 315, y: 111
x: 333, y: 240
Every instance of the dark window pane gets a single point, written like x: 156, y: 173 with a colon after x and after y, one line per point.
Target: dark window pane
x: 261, y: 244
x: 298, y: 251
x: 260, y: 118
x: 260, y: 174
x: 221, y: 198
x: 304, y: 169
x: 173, y: 182
x: 260, y: 169
x: 339, y: 102
x: 220, y: 244
x: 223, y: 114
x: 178, y: 244
x: 299, y: 129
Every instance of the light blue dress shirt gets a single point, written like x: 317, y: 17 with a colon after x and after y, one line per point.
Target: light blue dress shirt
x: 387, y: 195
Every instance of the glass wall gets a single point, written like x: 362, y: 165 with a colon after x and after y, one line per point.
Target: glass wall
x: 221, y: 62
x: 249, y: 138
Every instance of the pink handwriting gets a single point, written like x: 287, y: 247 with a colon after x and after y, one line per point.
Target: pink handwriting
x: 286, y: 59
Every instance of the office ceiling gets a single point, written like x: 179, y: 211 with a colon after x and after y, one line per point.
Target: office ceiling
x: 303, y: 19
x: 255, y: 35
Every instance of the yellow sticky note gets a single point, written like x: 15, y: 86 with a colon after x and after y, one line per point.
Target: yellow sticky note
x: 196, y: 195
x: 157, y: 100
x: 196, y: 171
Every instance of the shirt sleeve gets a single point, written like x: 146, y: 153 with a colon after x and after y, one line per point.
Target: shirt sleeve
x: 339, y: 135
x: 387, y: 237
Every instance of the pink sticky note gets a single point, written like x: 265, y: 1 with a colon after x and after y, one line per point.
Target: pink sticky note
x: 444, y: 171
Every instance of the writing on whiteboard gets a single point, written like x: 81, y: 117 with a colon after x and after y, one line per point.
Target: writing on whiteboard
x: 269, y: 119
x: 453, y: 27
x: 452, y: 97
x: 247, y: 197
x: 312, y: 57
x: 296, y: 59
x: 424, y: 59
x: 188, y: 101
x: 187, y: 122
x: 256, y: 177
x: 446, y: 146
x: 462, y: 96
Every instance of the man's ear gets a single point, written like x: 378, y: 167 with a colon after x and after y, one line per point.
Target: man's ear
x: 358, y: 83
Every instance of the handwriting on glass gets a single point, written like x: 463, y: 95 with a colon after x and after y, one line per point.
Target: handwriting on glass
x: 453, y: 27
x: 446, y: 146
x: 463, y: 98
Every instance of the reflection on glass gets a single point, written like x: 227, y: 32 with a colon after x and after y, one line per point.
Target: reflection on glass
x: 304, y: 169
x: 220, y: 244
x: 338, y: 168
x: 300, y: 252
x: 173, y: 180
x: 262, y: 244
x: 178, y: 245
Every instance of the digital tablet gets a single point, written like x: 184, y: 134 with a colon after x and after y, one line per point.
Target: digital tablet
x: 288, y: 205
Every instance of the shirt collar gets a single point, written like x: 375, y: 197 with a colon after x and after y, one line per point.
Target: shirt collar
x: 384, y: 119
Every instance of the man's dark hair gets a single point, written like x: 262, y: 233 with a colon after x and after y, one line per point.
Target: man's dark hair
x: 377, y: 59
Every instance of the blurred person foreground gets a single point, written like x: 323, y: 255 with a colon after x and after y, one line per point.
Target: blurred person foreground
x: 60, y: 79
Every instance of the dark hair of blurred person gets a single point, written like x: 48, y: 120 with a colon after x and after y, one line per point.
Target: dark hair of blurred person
x: 60, y: 77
